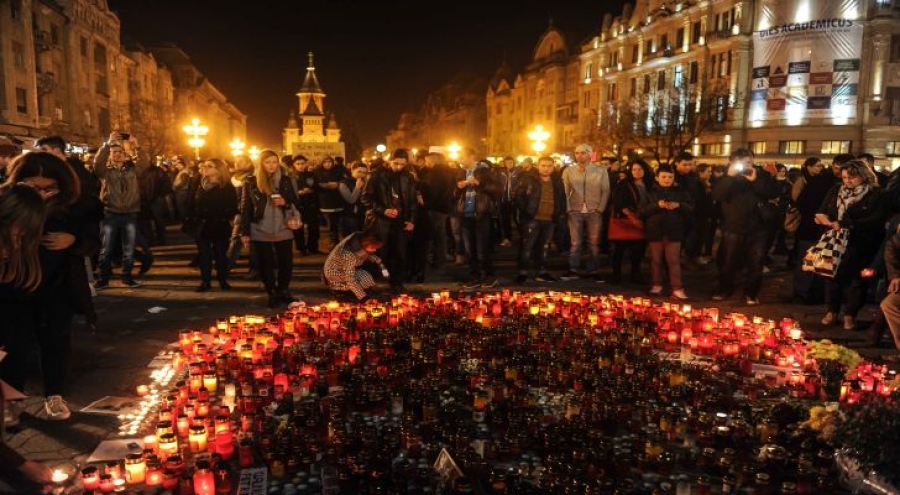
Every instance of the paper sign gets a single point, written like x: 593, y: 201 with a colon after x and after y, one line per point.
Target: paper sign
x: 446, y: 467
x: 253, y: 481
x: 115, y: 450
x: 10, y: 393
x: 114, y: 406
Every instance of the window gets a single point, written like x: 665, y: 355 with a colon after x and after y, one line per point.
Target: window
x: 646, y: 83
x: 758, y: 147
x: 21, y: 100
x: 664, y: 42
x: 635, y: 52
x: 83, y: 46
x: 724, y: 64
x: 661, y: 80
x: 712, y: 66
x: 792, y: 147
x: 679, y: 38
x: 15, y: 10
x: 836, y: 147
x: 892, y: 148
x: 612, y: 92
x: 614, y: 59
x: 678, y: 80
x: 696, y: 33
x: 588, y: 70
x: 721, y: 107
x: 694, y: 72
x: 714, y: 149
x: 18, y: 55
x: 632, y: 92
x: 54, y: 34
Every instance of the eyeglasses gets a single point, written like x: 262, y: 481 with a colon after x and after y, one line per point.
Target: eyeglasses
x: 43, y: 191
x: 207, y: 165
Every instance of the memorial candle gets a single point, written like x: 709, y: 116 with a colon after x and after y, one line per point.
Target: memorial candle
x: 204, y: 482
x: 135, y: 469
x: 154, y: 474
x: 150, y: 442
x: 198, y: 439
x: 168, y: 445
x: 106, y: 483
x: 143, y: 390
x: 210, y: 381
x: 90, y: 478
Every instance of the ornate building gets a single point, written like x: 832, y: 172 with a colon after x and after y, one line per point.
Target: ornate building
x: 788, y: 79
x: 197, y: 97
x: 311, y: 127
x: 453, y: 113
x: 64, y: 70
x: 544, y: 93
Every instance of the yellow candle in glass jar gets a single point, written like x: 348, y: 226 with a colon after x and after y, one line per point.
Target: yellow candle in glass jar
x: 135, y: 469
x: 198, y: 439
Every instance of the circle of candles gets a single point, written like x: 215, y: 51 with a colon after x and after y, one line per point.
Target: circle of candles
x: 143, y: 390
x: 135, y: 469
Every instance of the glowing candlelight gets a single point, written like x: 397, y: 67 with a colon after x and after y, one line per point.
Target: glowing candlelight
x: 59, y: 476
x: 143, y: 390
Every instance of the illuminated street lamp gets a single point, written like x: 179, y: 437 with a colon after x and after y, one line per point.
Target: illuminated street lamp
x: 237, y: 147
x: 453, y: 151
x: 538, y: 137
x: 380, y: 148
x: 253, y: 152
x: 196, y: 132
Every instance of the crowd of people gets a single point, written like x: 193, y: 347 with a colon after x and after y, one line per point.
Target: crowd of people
x: 403, y: 219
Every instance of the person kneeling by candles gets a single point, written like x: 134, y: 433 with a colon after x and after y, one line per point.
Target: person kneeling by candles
x: 343, y: 272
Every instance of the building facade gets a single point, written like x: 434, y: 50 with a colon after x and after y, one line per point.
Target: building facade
x: 309, y: 124
x: 64, y: 70
x: 788, y: 78
x: 455, y: 112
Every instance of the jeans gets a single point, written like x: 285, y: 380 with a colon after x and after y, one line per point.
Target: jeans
x: 476, y: 234
x: 275, y: 256
x: 506, y: 219
x: 335, y: 226
x: 209, y: 250
x: 459, y: 247
x: 577, y: 223
x: 667, y: 252
x: 748, y: 250
x: 114, y: 225
x: 393, y: 253
x: 439, y: 237
x: 536, y: 234
x: 306, y: 238
x: 846, y: 287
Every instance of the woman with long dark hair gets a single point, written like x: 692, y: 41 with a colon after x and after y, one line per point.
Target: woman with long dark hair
x: 856, y: 204
x: 48, y: 311
x: 626, y: 199
x: 268, y: 199
x: 210, y: 209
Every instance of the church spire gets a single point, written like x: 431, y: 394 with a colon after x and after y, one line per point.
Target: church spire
x: 311, y: 82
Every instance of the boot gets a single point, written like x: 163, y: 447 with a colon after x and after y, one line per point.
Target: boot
x: 285, y: 296
x: 203, y: 287
x: 877, y: 330
x: 274, y: 300
x: 223, y: 284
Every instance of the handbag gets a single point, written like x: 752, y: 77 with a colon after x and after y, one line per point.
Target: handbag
x: 824, y: 257
x: 768, y: 211
x: 292, y: 218
x: 629, y: 228
x: 791, y: 220
x: 193, y: 227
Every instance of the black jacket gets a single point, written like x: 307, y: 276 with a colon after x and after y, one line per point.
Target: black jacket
x: 329, y: 199
x: 659, y: 223
x: 487, y: 192
x: 527, y: 196
x: 253, y: 201
x: 808, y: 203
x: 865, y: 220
x: 625, y: 195
x: 216, y: 207
x: 437, y: 185
x: 740, y: 198
x: 380, y: 194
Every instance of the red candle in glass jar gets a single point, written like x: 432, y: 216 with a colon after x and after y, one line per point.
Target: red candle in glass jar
x: 90, y: 478
x: 106, y: 484
x: 225, y: 445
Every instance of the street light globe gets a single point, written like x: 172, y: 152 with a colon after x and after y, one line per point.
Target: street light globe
x: 453, y: 150
x: 538, y: 146
x: 237, y: 147
x: 380, y: 148
x: 253, y: 152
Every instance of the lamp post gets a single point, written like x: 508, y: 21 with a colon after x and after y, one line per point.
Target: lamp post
x: 196, y: 133
x: 453, y: 150
x: 237, y: 147
x: 253, y: 153
x: 539, y: 137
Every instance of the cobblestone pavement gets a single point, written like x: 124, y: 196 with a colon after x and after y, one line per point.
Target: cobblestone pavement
x: 112, y: 360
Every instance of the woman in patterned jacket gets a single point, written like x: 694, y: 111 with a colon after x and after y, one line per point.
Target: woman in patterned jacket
x: 343, y: 272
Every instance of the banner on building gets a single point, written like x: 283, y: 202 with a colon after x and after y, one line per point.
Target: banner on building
x: 315, y: 152
x: 806, y: 70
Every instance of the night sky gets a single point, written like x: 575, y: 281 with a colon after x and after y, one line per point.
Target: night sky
x: 374, y: 59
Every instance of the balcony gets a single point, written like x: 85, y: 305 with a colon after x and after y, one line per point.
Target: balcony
x: 44, y: 121
x: 42, y: 41
x: 46, y: 82
x: 719, y: 35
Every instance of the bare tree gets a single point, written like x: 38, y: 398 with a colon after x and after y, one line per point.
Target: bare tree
x: 153, y: 126
x: 667, y: 121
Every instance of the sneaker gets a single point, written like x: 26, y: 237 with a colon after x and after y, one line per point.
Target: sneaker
x: 679, y: 294
x: 849, y: 323
x: 11, y: 414
x: 56, y: 408
x: 130, y: 282
x: 720, y: 296
x: 546, y: 277
x: 829, y: 319
x: 570, y: 275
x: 766, y: 269
x: 489, y: 282
x: 751, y: 301
x: 522, y: 278
x: 146, y: 265
x: 101, y: 284
x: 656, y: 290
x: 471, y: 284
x: 505, y: 243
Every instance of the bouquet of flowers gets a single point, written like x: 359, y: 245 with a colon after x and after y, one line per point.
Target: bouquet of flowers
x: 870, y: 431
x: 827, y: 350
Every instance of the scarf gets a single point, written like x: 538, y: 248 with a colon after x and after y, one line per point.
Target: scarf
x: 847, y: 197
x: 206, y: 183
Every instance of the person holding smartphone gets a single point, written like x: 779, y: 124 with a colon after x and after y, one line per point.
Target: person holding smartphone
x: 266, y: 199
x: 744, y: 237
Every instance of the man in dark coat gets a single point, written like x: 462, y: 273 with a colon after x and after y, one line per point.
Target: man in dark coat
x: 391, y: 203
x: 477, y: 193
x: 743, y: 194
